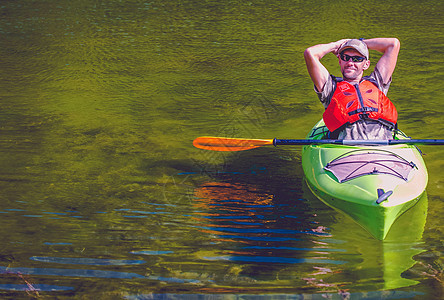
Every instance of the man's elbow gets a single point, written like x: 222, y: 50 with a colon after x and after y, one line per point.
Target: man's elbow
x: 308, y: 54
x: 396, y: 44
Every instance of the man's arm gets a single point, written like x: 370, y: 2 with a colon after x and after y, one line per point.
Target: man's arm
x: 318, y: 73
x: 390, y: 49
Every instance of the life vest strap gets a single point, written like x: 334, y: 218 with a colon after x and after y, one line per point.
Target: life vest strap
x: 363, y: 110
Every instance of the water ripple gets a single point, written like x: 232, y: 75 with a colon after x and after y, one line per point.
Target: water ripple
x: 82, y: 273
x: 150, y: 252
x: 69, y: 272
x: 273, y: 259
x: 87, y: 261
x: 35, y: 287
x: 298, y: 249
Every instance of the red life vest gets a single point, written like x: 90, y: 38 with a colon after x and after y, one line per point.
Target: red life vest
x: 351, y: 103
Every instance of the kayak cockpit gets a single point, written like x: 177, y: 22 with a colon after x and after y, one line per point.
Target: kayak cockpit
x: 357, y: 163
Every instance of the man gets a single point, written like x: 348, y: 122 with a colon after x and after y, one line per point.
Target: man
x: 356, y: 106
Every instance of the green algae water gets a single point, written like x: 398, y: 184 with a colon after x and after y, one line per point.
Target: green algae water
x: 103, y: 195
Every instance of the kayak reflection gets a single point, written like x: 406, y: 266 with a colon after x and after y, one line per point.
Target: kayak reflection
x: 264, y: 236
x: 386, y: 260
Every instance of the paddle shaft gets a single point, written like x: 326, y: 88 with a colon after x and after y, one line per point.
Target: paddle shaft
x: 277, y: 142
x: 237, y: 144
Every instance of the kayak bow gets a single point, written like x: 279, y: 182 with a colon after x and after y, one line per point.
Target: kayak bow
x: 372, y: 183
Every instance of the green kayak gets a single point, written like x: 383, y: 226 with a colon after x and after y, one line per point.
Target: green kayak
x: 373, y: 185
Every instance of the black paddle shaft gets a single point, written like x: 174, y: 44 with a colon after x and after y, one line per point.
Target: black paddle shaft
x: 360, y: 142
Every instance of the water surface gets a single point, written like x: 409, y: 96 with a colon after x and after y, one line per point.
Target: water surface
x: 103, y: 195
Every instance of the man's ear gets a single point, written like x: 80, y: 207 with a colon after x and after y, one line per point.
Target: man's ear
x: 366, y: 64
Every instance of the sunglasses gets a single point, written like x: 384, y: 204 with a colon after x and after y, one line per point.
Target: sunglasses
x: 346, y: 57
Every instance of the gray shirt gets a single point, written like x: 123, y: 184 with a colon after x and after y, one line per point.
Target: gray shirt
x: 362, y: 129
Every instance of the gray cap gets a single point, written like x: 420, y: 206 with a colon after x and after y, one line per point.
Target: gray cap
x: 358, y: 45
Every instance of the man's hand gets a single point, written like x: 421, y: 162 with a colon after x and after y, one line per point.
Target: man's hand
x: 318, y: 73
x: 338, y: 45
x: 390, y: 49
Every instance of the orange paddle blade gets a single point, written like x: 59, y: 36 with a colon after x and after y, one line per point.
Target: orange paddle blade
x: 229, y: 144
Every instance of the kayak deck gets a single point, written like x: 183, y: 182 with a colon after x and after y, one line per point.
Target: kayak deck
x: 373, y: 185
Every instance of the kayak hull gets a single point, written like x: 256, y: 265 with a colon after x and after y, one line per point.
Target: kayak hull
x: 357, y: 197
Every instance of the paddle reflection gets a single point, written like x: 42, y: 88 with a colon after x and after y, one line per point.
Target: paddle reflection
x: 258, y: 226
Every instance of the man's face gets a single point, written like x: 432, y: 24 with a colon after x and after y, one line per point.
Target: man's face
x: 352, y: 71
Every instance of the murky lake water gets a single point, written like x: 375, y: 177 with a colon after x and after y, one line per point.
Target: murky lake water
x: 103, y: 195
